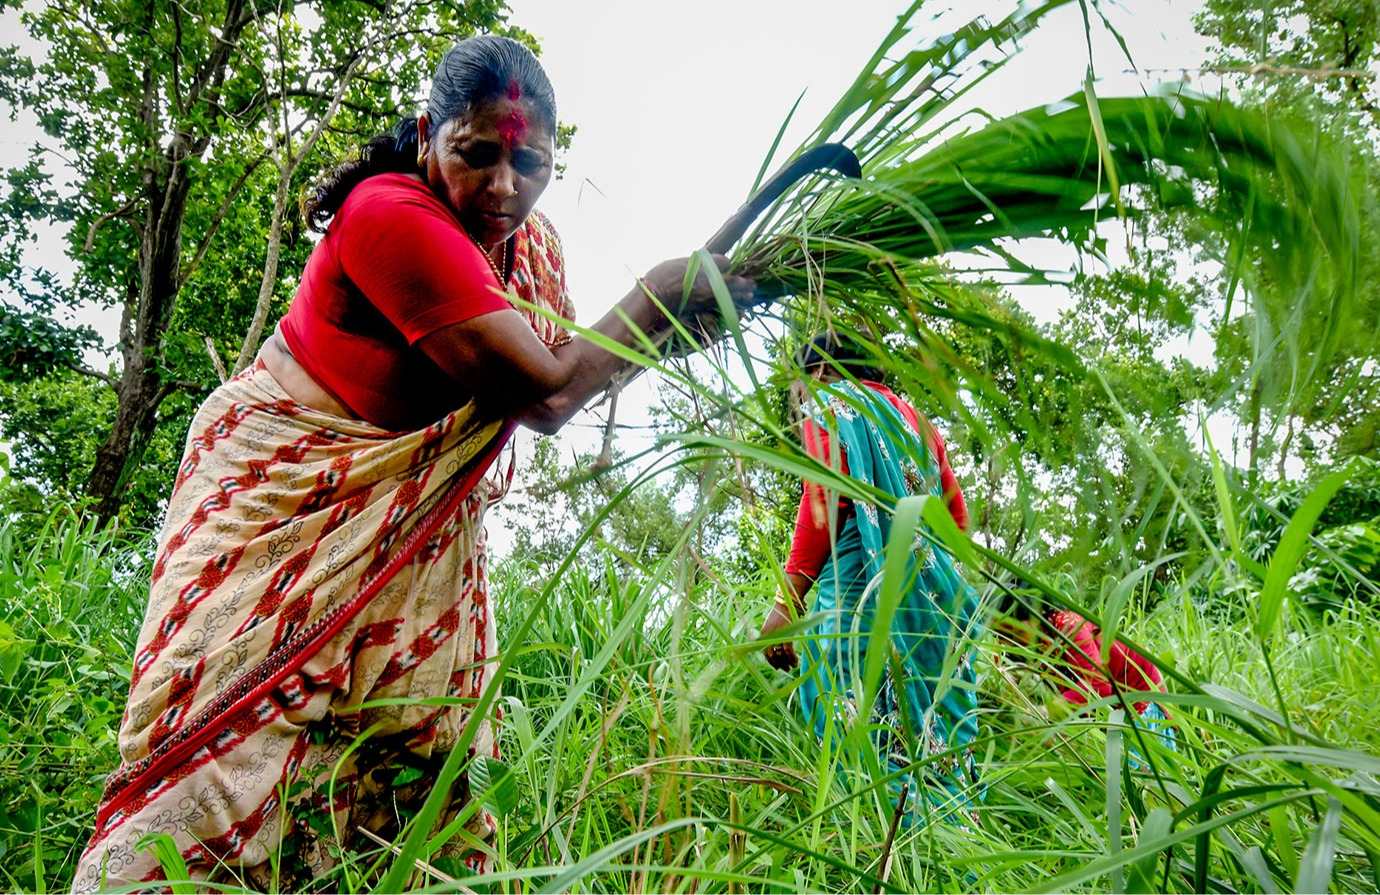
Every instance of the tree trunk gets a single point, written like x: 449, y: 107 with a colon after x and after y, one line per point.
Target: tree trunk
x: 141, y: 387
x: 129, y: 437
x: 250, y: 348
x: 165, y: 185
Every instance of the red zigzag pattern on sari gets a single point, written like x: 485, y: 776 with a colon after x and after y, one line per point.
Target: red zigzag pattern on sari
x: 214, y: 573
x: 230, y: 486
x: 232, y: 843
x: 290, y: 694
x: 404, y: 498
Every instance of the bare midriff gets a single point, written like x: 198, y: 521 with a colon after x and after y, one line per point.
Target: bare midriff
x: 297, y: 382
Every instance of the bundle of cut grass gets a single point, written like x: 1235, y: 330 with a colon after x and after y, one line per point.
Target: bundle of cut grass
x: 1270, y: 204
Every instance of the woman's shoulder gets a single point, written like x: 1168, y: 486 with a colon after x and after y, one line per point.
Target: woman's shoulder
x: 389, y: 194
x: 541, y: 232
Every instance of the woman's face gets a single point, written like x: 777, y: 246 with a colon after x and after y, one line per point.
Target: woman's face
x: 489, y: 165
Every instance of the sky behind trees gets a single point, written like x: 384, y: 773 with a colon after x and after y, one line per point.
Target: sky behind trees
x: 677, y: 106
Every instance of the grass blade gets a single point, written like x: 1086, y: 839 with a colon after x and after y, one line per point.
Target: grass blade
x: 1315, y: 870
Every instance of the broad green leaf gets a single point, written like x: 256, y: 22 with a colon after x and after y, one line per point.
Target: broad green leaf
x: 493, y: 782
x: 1140, y: 876
x: 170, y: 858
x: 1290, y: 551
x: 1112, y: 782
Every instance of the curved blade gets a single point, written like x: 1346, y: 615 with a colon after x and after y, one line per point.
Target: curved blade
x: 834, y: 156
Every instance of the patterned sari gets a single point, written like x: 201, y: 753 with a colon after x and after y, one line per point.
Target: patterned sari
x: 922, y: 722
x: 310, y: 564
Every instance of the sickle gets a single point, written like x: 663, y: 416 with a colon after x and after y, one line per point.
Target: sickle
x: 834, y: 156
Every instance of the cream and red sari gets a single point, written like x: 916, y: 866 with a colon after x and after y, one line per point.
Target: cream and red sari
x: 310, y: 564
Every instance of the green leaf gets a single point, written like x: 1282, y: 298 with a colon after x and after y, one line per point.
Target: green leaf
x: 1104, y: 149
x: 12, y: 652
x: 1282, y: 835
x: 1112, y: 794
x: 1227, y: 512
x: 1140, y: 875
x: 1315, y: 870
x: 494, y: 783
x: 896, y: 566
x: 1290, y: 551
x: 170, y: 859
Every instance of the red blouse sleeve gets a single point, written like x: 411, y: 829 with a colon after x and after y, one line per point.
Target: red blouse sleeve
x: 948, y: 482
x: 811, y: 544
x: 1132, y: 670
x: 411, y: 259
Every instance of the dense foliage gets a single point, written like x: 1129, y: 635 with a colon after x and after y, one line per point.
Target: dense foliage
x: 179, y: 138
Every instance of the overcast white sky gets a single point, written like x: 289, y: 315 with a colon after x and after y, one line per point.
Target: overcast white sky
x: 677, y: 104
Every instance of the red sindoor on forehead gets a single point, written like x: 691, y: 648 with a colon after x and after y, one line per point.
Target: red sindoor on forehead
x: 511, y: 128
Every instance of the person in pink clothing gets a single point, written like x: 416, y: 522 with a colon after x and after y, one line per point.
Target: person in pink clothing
x: 1078, y: 656
x: 1072, y: 650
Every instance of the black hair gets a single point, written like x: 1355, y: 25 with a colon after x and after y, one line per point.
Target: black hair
x: 840, y: 353
x: 475, y: 71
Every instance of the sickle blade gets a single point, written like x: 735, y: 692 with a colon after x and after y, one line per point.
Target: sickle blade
x: 833, y: 156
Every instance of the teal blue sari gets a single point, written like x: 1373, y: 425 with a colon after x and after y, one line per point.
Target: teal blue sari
x: 923, y: 722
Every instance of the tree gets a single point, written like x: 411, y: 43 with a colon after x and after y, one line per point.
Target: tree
x: 185, y: 129
x: 1308, y: 61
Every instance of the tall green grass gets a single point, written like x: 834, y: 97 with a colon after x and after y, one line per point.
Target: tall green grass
x: 72, y: 599
x: 647, y: 746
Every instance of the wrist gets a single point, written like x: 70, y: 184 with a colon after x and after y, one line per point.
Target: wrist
x: 789, y: 606
x: 651, y: 297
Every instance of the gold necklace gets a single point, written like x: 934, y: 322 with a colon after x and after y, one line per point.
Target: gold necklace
x: 502, y: 264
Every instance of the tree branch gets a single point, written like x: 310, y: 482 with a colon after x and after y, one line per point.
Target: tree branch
x: 94, y: 374
x: 212, y: 74
x: 290, y: 163
x: 177, y: 58
x: 174, y: 385
x: 215, y: 358
x: 218, y: 220
x: 96, y: 224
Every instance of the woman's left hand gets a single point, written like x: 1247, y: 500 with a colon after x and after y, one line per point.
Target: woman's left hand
x: 779, y: 655
x: 696, y: 308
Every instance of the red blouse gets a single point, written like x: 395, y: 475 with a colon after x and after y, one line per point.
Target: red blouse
x: 812, y: 543
x: 394, y: 266
x: 1083, y: 660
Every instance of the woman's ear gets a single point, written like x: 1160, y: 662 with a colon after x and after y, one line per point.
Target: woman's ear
x: 423, y: 139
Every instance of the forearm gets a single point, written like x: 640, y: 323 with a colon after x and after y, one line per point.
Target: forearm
x: 797, y: 589
x: 589, y: 367
x: 497, y: 359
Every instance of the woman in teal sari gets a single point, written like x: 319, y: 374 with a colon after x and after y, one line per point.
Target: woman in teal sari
x: 922, y: 722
